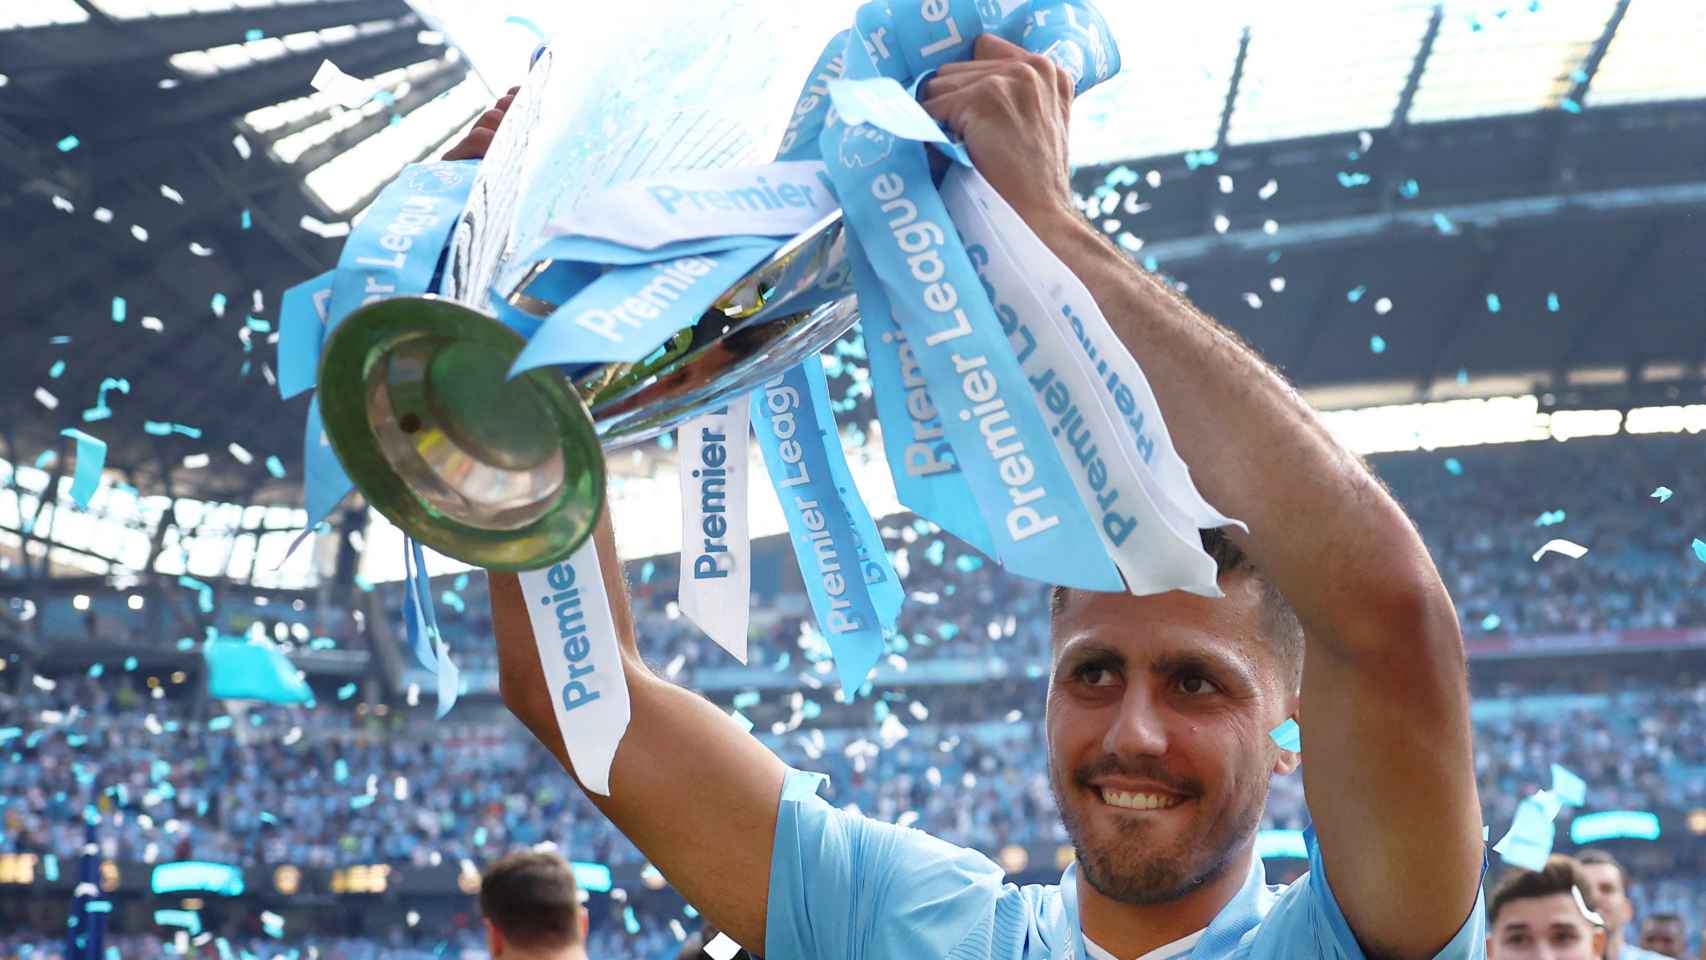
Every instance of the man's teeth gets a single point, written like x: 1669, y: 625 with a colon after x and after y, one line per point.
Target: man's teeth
x: 1140, y: 801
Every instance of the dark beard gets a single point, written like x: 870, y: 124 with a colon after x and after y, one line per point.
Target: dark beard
x: 1125, y: 873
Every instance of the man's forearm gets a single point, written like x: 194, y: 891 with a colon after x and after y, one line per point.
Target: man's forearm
x: 1322, y: 527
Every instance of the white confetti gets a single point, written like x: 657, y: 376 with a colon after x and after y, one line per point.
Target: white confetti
x: 153, y: 323
x: 1270, y: 227
x: 1383, y: 306
x: 1268, y: 189
x: 139, y: 232
x: 103, y: 215
x: 1276, y: 284
x: 172, y: 195
x: 200, y: 250
x: 1221, y: 224
x: 329, y: 231
x: 46, y: 399
x: 721, y: 947
x: 1253, y: 299
x: 243, y: 456
x: 43, y: 683
x: 1153, y: 178
x: 349, y: 91
x: 1568, y: 548
x: 240, y: 143
x: 195, y: 461
x: 62, y: 204
x: 1225, y: 183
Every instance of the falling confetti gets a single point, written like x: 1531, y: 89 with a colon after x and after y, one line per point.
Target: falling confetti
x: 1661, y: 494
x: 1377, y: 344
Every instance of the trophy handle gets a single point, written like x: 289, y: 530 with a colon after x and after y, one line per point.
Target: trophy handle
x: 501, y: 473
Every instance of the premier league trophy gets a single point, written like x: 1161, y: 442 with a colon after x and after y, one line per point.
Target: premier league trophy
x: 508, y: 473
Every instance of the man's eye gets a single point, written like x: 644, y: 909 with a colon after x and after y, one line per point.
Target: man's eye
x: 1196, y: 685
x: 1096, y: 675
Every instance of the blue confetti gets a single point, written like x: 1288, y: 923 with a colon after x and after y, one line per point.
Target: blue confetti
x: 1355, y: 293
x: 1409, y: 189
x: 1569, y: 105
x: 1529, y: 840
x: 648, y: 570
x: 454, y: 601
x: 248, y: 221
x: 534, y: 28
x: 275, y: 466
x: 629, y: 922
x: 1444, y: 225
x: 96, y: 669
x: 1453, y: 467
x: 357, y: 803
x: 934, y: 553
x: 1462, y: 376
x: 1288, y: 735
x: 340, y: 770
x: 1568, y: 787
x: 666, y: 441
x: 253, y: 34
x: 1552, y: 302
x: 1549, y: 518
x: 1493, y: 304
x: 218, y: 304
x: 68, y: 143
x: 118, y: 309
x: 1490, y: 622
x: 1377, y: 344
x: 1700, y: 549
x: 204, y: 598
x: 129, y: 664
x: 220, y: 723
x: 347, y: 690
x: 1201, y: 158
x: 967, y: 562
x: 1354, y: 179
x: 1661, y: 494
x: 57, y: 369
x: 91, y: 457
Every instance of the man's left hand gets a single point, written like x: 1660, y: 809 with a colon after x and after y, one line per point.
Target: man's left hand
x: 1011, y: 107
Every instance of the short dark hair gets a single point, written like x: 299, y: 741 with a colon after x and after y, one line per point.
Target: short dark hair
x: 1561, y: 874
x: 1599, y: 857
x: 1665, y: 917
x: 530, y: 897
x: 1279, y: 620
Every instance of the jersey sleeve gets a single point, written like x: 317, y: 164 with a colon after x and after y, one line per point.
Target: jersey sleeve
x: 844, y: 887
x: 1306, y: 922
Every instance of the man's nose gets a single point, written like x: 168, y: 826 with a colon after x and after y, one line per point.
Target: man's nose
x: 1139, y: 729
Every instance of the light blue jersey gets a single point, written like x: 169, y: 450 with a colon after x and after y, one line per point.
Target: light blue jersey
x: 843, y: 887
x: 1632, y: 952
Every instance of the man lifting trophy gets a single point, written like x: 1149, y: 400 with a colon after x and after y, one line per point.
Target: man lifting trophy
x: 622, y: 262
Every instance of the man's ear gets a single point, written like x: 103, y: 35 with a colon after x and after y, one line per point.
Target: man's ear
x: 584, y: 920
x: 494, y: 938
x: 1599, y: 941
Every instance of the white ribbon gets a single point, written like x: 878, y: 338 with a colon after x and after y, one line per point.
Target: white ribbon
x: 570, y: 614
x: 776, y: 199
x: 1105, y: 421
x: 715, y: 589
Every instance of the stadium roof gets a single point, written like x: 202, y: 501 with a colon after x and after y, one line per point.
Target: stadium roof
x: 168, y: 170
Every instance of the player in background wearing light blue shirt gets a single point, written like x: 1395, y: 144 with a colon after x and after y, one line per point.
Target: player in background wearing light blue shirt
x: 1158, y: 707
x: 1609, y: 883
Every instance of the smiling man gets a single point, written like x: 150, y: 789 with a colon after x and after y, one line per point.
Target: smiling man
x: 1159, y: 707
x: 1545, y: 914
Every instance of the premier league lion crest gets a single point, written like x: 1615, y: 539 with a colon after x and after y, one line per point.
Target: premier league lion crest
x: 864, y: 145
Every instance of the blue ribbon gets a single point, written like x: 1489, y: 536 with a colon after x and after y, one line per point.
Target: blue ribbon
x: 1024, y: 494
x: 797, y: 436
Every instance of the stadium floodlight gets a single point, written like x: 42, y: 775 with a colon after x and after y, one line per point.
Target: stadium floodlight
x: 1614, y: 825
x: 1281, y: 844
x: 183, y: 875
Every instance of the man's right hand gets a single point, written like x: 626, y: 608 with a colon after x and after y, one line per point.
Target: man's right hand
x: 696, y: 793
x: 478, y: 140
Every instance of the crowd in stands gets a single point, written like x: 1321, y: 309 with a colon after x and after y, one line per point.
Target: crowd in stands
x: 321, y: 787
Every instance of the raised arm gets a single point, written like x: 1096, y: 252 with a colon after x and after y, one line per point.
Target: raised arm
x: 688, y: 786
x: 1388, y: 758
x: 696, y: 793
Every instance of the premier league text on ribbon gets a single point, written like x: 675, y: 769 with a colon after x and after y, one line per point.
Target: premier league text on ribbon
x: 782, y: 402
x: 712, y: 561
x: 571, y: 630
x: 759, y: 196
x: 922, y: 242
